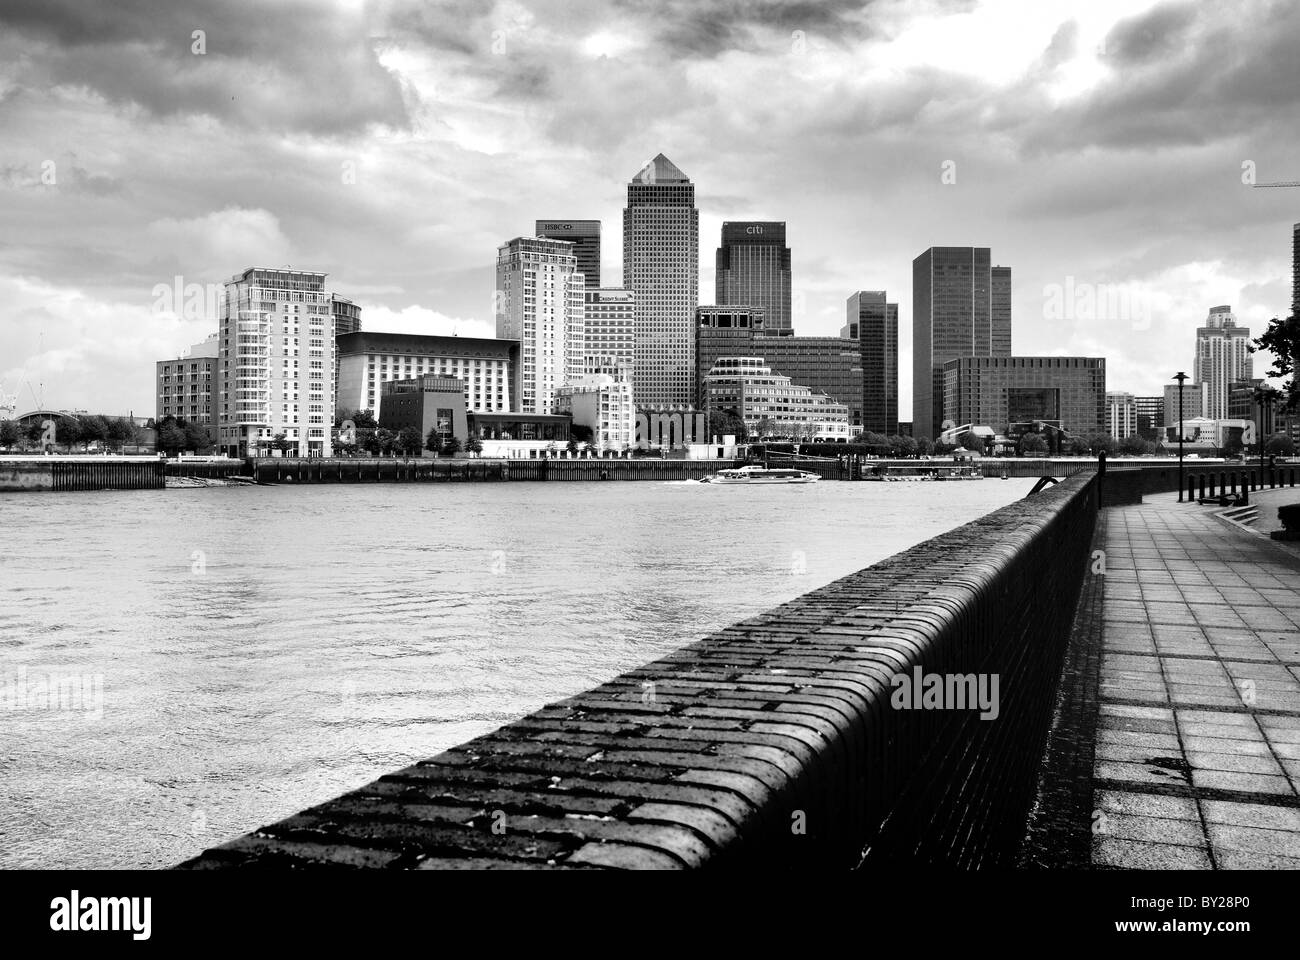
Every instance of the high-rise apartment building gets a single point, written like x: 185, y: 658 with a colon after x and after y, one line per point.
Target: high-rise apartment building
x: 276, y: 363
x: 753, y: 269
x: 540, y: 302
x: 1121, y: 415
x: 602, y: 402
x: 1222, y: 357
x: 661, y: 241
x: 961, y: 307
x: 347, y: 315
x: 585, y: 237
x: 875, y: 322
x: 187, y: 386
x: 609, y: 332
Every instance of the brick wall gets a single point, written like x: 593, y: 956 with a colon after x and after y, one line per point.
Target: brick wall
x: 772, y: 742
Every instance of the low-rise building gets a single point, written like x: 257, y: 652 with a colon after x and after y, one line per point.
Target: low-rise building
x: 603, y: 403
x: 1067, y: 392
x: 186, y: 386
x: 428, y: 403
x: 770, y: 404
x: 520, y: 435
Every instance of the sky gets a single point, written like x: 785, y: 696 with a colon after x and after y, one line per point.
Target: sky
x: 1104, y: 150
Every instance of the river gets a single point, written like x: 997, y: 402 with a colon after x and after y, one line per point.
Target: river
x: 228, y: 656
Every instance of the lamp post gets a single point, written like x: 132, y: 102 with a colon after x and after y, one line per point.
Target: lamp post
x: 1180, y: 377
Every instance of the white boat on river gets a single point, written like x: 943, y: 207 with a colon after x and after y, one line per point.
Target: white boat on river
x: 761, y: 476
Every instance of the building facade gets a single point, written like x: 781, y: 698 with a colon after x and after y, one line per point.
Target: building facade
x: 1067, y: 392
x: 429, y: 403
x: 609, y: 332
x: 487, y: 368
x: 1150, y: 416
x: 770, y: 404
x: 187, y: 387
x: 958, y: 310
x: 1222, y: 357
x: 1121, y: 415
x: 875, y: 323
x: 1193, y: 403
x: 347, y: 315
x: 603, y: 403
x: 753, y: 269
x: 661, y: 241
x: 585, y: 237
x: 540, y: 302
x: 276, y: 363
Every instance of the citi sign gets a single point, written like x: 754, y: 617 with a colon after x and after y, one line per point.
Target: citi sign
x: 754, y: 229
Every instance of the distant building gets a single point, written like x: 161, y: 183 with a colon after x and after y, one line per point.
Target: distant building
x: 487, y: 368
x: 723, y: 330
x: 277, y: 363
x: 540, y: 302
x: 186, y: 386
x: 521, y: 435
x: 961, y: 307
x: 1209, y: 434
x: 661, y: 262
x: 609, y: 332
x: 1222, y: 357
x: 1193, y: 403
x: 603, y: 403
x: 770, y: 404
x: 1121, y: 415
x: 347, y: 315
x: 874, y: 324
x: 585, y: 237
x: 1066, y: 392
x: 1150, y: 417
x: 753, y: 269
x: 1295, y: 270
x: 428, y: 403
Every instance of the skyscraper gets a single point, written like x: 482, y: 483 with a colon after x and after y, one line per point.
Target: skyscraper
x: 1222, y: 357
x: 1295, y: 270
x: 876, y: 324
x: 609, y: 332
x: 347, y: 315
x: 585, y: 237
x: 661, y: 253
x: 276, y: 363
x: 539, y: 302
x: 753, y: 269
x: 961, y: 307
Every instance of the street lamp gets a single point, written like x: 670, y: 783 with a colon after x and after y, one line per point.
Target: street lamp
x: 1180, y: 377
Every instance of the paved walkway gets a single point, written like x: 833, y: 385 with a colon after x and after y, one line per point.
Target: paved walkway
x: 1197, y: 758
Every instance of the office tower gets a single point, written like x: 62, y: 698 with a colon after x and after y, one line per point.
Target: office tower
x: 487, y: 368
x: 957, y: 311
x: 1295, y: 270
x: 722, y: 331
x: 585, y: 237
x: 1121, y: 415
x: 347, y: 315
x: 1222, y: 356
x: 661, y: 240
x: 187, y: 386
x: 876, y: 324
x: 1242, y: 405
x: 609, y: 332
x: 1067, y: 392
x: 276, y: 363
x: 753, y: 269
x: 1193, y: 405
x: 1150, y: 416
x: 539, y: 302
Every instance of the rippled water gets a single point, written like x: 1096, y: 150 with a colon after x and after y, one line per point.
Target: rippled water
x: 259, y: 650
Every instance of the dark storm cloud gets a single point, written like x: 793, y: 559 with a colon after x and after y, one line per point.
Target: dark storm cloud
x: 288, y: 66
x: 691, y: 28
x: 1183, y: 76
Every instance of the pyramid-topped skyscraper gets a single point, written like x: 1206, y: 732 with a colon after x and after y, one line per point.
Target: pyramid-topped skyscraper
x: 661, y: 240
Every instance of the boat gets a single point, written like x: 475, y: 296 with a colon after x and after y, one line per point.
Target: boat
x: 761, y: 476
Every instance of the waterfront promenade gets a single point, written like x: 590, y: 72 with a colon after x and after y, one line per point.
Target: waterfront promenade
x: 1178, y: 740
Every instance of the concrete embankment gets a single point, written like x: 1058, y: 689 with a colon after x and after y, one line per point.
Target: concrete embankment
x: 781, y: 741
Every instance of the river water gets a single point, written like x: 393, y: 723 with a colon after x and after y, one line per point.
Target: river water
x: 223, y: 657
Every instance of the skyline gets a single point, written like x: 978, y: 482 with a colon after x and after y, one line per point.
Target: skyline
x: 459, y: 139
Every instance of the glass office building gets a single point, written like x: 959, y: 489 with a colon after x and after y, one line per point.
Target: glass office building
x: 1068, y: 392
x: 753, y: 269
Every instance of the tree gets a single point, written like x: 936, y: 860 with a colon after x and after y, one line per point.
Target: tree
x: 409, y: 441
x: 361, y: 419
x: 385, y: 438
x: 1102, y: 441
x: 451, y: 447
x: 901, y: 446
x: 196, y: 438
x: 369, y: 441
x: 68, y: 431
x: 170, y: 437
x: 1280, y: 445
x: 94, y: 429
x: 1232, y: 445
x: 1282, y: 339
x: 764, y: 427
x: 474, y: 445
x: 923, y: 446
x: 34, y: 432
x: 571, y: 446
x: 10, y: 433
x: 1135, y: 446
x: 1079, y: 447
x: 1033, y: 443
x: 727, y: 422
